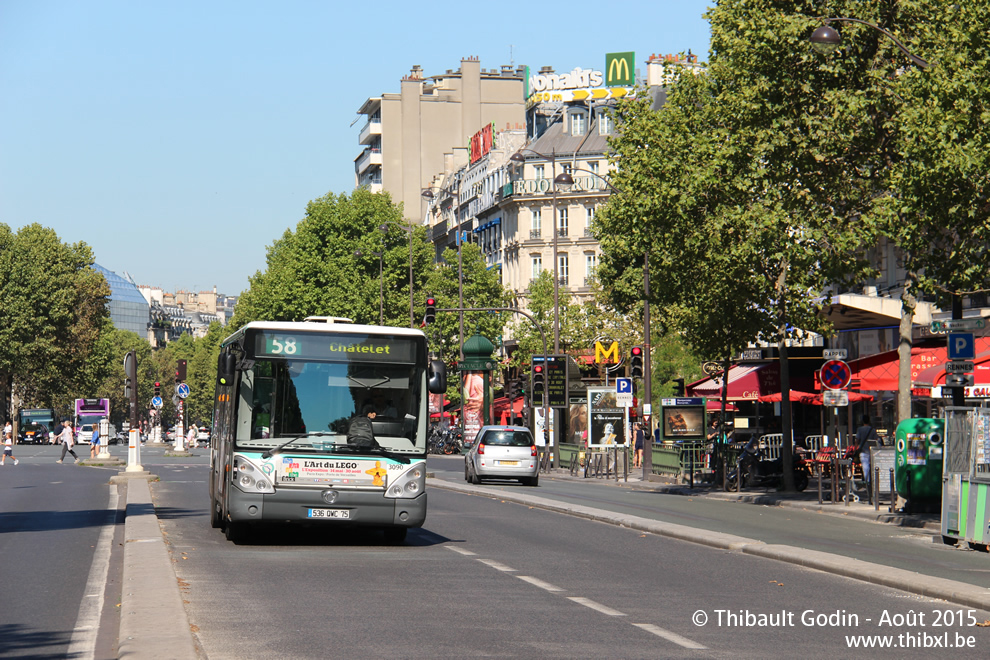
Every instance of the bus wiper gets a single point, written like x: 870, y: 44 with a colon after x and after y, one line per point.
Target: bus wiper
x: 369, y: 449
x: 271, y: 452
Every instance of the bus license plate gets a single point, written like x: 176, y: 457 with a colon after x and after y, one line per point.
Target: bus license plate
x: 508, y: 462
x: 337, y: 514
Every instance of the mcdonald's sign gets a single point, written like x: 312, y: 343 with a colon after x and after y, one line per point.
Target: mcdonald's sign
x: 620, y: 69
x: 609, y: 356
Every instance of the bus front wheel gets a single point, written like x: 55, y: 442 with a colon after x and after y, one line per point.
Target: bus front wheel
x: 395, y: 535
x: 235, y: 532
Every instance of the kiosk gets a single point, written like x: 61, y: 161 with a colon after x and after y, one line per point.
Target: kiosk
x: 966, y: 477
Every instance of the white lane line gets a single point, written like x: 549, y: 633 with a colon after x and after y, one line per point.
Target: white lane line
x: 598, y: 607
x: 83, y: 641
x: 536, y: 582
x: 497, y: 566
x: 670, y: 637
x: 460, y: 551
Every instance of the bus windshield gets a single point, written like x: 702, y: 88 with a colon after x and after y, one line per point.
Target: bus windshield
x: 280, y: 399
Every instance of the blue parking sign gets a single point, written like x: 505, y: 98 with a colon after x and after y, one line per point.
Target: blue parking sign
x: 962, y: 346
x: 623, y: 386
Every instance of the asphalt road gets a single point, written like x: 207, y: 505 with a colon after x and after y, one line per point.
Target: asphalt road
x: 489, y: 578
x: 887, y: 545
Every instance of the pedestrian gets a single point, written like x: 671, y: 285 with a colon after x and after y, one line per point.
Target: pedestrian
x: 640, y: 440
x: 94, y: 443
x: 68, y: 441
x: 192, y: 437
x: 866, y: 438
x: 8, y: 447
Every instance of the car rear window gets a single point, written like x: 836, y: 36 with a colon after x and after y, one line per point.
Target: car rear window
x: 508, y: 438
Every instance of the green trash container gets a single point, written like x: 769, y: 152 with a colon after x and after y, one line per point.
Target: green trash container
x: 918, y: 462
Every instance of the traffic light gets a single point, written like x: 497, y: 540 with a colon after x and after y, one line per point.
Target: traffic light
x: 431, y: 311
x: 538, y: 383
x: 636, y: 362
x: 128, y: 387
x: 180, y: 370
x: 678, y: 387
x: 158, y: 389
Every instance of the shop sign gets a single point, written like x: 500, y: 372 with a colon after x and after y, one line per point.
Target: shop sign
x: 544, y: 82
x: 531, y: 186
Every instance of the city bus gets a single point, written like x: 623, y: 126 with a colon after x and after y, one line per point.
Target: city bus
x: 35, y: 424
x: 321, y: 422
x: 88, y: 413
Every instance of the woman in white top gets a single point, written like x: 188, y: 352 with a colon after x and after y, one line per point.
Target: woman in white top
x: 68, y: 441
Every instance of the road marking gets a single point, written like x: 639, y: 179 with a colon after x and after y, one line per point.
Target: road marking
x: 83, y: 641
x: 536, y: 582
x: 461, y: 551
x: 598, y: 607
x: 497, y: 565
x: 670, y: 637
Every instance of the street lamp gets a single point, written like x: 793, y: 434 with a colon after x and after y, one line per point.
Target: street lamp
x: 564, y: 181
x: 826, y: 39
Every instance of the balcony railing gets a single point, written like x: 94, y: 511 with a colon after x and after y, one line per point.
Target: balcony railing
x: 534, y: 233
x: 562, y: 231
x: 369, y: 130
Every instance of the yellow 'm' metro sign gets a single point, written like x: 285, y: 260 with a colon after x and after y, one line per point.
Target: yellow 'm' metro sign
x: 620, y: 69
x: 610, y: 356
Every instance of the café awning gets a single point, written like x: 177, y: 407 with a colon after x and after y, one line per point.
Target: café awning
x: 745, y: 383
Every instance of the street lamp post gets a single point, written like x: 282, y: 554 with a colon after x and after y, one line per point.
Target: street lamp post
x: 564, y: 181
x: 827, y: 39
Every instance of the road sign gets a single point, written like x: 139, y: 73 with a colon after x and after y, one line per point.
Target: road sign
x: 835, y: 397
x: 958, y: 324
x: 834, y: 354
x: 835, y: 375
x: 958, y: 380
x: 962, y: 346
x: 623, y: 392
x: 182, y: 390
x: 959, y: 367
x: 156, y: 401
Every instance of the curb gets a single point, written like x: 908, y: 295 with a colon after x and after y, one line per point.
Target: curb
x: 950, y: 591
x: 153, y: 622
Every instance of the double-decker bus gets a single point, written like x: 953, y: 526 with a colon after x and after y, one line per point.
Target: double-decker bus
x: 321, y: 422
x: 88, y: 414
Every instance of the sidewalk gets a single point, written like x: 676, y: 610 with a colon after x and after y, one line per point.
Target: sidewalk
x: 807, y: 500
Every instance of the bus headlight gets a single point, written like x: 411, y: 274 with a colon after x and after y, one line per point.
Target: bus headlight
x: 409, y: 485
x: 249, y: 478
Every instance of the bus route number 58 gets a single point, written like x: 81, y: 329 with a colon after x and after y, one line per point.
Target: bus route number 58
x: 282, y: 345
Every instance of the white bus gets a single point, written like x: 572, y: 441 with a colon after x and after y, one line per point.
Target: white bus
x: 291, y: 439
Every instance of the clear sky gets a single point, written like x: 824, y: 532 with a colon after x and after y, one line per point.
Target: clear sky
x: 180, y: 139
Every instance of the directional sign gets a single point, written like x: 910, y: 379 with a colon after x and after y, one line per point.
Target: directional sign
x: 959, y: 367
x: 182, y: 390
x: 623, y: 392
x: 958, y: 380
x: 156, y: 402
x: 834, y: 354
x: 836, y: 374
x: 962, y: 346
x: 958, y: 324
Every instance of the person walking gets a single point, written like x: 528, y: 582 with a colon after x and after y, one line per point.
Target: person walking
x: 68, y: 441
x: 94, y: 443
x: 192, y: 437
x: 640, y: 440
x: 866, y: 438
x: 8, y: 447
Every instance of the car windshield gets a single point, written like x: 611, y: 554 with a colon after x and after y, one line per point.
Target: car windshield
x: 508, y: 438
x: 315, y: 402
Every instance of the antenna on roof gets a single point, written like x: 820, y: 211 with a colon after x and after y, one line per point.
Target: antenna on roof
x: 511, y: 61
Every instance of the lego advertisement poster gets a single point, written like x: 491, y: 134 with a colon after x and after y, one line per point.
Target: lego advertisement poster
x: 606, y: 420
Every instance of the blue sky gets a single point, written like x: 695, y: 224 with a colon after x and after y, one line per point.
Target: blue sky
x: 180, y: 139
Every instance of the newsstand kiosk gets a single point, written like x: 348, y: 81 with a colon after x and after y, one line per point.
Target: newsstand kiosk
x: 966, y: 477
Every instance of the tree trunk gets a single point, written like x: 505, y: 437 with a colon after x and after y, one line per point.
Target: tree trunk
x: 786, y: 450
x: 908, y: 305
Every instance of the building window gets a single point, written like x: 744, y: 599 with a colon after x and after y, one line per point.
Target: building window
x: 593, y: 166
x: 537, y: 222
x: 605, y: 124
x: 579, y: 123
x: 590, y: 264
x: 538, y: 171
x: 589, y: 216
x: 537, y: 261
x: 567, y: 168
x: 562, y: 268
x: 562, y: 222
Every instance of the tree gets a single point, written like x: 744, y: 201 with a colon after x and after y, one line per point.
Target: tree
x: 313, y: 270
x: 52, y: 313
x: 750, y: 189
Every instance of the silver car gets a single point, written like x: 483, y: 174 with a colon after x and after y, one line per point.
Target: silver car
x: 503, y: 452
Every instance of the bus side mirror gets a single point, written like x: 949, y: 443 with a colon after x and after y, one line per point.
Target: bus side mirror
x: 226, y: 366
x: 437, y: 377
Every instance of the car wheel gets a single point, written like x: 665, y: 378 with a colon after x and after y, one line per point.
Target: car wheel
x: 467, y: 473
x: 216, y: 515
x: 531, y: 481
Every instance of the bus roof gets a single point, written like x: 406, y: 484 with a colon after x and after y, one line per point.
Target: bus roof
x: 323, y: 324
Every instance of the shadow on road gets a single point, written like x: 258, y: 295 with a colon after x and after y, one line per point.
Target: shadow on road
x: 22, y: 642
x: 47, y: 521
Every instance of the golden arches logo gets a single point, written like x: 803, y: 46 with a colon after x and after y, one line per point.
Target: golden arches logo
x: 619, y: 68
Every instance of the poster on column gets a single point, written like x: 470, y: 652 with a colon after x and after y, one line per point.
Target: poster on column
x: 541, y: 429
x: 606, y: 419
x: 474, y: 401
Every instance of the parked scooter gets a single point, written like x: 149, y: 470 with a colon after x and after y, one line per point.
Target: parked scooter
x: 758, y: 471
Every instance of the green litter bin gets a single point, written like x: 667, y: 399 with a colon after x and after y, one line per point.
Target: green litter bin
x: 918, y: 461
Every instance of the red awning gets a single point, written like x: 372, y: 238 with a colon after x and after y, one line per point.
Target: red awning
x: 715, y: 405
x: 501, y: 405
x: 934, y: 375
x: 814, y: 399
x: 746, y: 383
x: 796, y: 396
x: 879, y: 372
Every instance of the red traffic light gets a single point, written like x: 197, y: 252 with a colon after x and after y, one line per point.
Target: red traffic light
x: 636, y: 351
x: 431, y: 301
x: 538, y: 369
